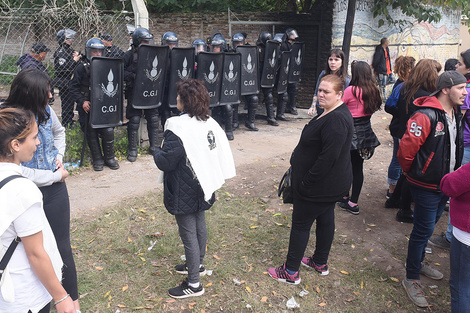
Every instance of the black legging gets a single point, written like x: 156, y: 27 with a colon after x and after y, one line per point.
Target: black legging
x: 357, y: 163
x: 303, y: 216
x: 57, y: 209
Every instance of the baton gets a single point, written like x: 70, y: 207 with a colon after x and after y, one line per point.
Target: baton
x: 84, y: 141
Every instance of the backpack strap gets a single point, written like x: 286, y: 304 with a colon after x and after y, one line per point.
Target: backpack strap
x: 7, y: 256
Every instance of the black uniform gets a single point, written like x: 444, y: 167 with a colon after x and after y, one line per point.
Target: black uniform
x: 291, y: 87
x: 113, y: 52
x: 134, y: 115
x: 79, y: 88
x: 267, y: 92
x: 64, y: 66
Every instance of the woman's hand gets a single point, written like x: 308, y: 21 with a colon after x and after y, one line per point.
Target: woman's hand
x: 86, y: 106
x: 62, y: 170
x: 312, y: 111
x: 66, y: 306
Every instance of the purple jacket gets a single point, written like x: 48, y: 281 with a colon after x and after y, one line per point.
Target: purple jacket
x: 456, y: 185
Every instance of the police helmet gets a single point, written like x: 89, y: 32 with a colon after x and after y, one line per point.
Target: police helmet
x: 93, y: 44
x: 291, y: 34
x: 141, y: 34
x: 170, y: 38
x: 199, y: 45
x: 238, y: 39
x: 263, y: 37
x: 279, y: 38
x: 65, y: 34
x: 130, y: 29
x: 218, y: 40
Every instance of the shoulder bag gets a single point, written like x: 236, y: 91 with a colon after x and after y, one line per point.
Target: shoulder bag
x: 285, y: 191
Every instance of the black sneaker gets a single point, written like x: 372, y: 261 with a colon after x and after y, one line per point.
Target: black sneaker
x: 183, y: 269
x: 392, y: 204
x: 185, y: 291
x: 351, y: 209
x: 405, y: 216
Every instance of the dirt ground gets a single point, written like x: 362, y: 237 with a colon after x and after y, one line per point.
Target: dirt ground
x: 261, y: 158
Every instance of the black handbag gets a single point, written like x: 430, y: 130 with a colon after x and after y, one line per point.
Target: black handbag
x: 285, y: 191
x: 7, y: 256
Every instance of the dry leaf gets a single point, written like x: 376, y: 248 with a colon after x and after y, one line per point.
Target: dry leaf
x: 99, y: 268
x: 208, y: 285
x: 394, y: 279
x: 322, y: 304
x: 170, y: 301
x: 216, y: 257
x: 356, y: 293
x: 264, y: 299
x: 317, y: 289
x: 254, y: 226
x: 344, y: 272
x: 129, y: 239
x: 121, y: 306
x: 362, y: 285
x: 125, y: 288
x: 248, y: 289
x: 107, y: 294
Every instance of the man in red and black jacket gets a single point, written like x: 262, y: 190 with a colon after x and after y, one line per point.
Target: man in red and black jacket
x: 431, y: 147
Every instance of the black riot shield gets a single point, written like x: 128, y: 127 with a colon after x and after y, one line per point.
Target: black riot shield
x: 271, y: 55
x: 106, y: 95
x: 230, y: 91
x: 181, y: 68
x: 209, y: 71
x: 249, y: 70
x: 282, y: 75
x: 296, y: 60
x: 150, y: 76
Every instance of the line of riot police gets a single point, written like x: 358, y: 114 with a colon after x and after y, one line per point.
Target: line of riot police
x: 151, y: 71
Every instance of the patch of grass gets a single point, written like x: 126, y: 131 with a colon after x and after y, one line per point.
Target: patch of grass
x: 117, y: 271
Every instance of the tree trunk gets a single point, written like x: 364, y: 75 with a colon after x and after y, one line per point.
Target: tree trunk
x: 348, y: 28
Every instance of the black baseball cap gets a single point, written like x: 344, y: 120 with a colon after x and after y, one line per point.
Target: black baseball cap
x: 106, y: 37
x: 40, y: 47
x: 447, y: 80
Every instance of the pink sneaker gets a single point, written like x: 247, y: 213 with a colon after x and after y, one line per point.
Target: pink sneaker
x: 280, y: 273
x: 321, y: 269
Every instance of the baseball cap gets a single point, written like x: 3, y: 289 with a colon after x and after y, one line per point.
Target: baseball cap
x: 447, y: 80
x: 40, y: 47
x: 106, y: 37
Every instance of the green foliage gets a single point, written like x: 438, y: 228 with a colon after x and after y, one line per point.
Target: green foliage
x: 423, y: 11
x: 8, y: 64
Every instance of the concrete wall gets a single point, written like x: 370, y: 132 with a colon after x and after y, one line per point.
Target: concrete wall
x: 437, y: 41
x: 464, y: 38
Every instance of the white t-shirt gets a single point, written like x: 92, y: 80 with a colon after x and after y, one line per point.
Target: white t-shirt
x: 29, y: 293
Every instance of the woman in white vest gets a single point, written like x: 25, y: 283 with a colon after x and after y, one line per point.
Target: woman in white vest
x: 32, y: 277
x: 195, y: 159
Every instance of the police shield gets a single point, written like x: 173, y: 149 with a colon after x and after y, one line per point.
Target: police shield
x: 282, y: 74
x: 150, y: 76
x: 230, y: 91
x: 271, y: 55
x: 296, y: 60
x: 181, y: 68
x: 209, y: 71
x: 106, y: 95
x: 249, y: 70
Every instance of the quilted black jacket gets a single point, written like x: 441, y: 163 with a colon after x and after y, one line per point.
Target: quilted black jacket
x: 182, y: 193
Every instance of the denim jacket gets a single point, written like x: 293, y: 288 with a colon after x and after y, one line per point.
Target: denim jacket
x: 45, y: 156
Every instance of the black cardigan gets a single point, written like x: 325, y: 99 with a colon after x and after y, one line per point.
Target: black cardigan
x: 321, y: 162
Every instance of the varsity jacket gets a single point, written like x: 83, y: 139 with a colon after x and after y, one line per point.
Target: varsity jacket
x: 424, y: 152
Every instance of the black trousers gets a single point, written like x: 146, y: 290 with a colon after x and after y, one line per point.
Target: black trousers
x: 303, y: 216
x: 57, y: 209
x: 45, y: 309
x: 357, y: 163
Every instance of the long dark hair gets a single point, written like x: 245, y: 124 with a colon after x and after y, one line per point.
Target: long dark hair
x: 14, y: 124
x: 343, y: 70
x: 30, y: 91
x: 423, y: 75
x: 362, y: 78
x: 195, y: 98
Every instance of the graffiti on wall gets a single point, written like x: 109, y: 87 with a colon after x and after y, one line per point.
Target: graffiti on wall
x: 437, y: 41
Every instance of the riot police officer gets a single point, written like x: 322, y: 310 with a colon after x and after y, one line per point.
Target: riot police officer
x: 282, y: 98
x: 199, y: 45
x: 79, y: 87
x: 111, y: 51
x: 66, y: 60
x: 290, y: 37
x: 237, y: 40
x: 169, y: 39
x: 264, y: 36
x: 140, y: 36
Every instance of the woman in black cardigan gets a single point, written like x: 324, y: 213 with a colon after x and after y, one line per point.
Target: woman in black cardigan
x: 321, y: 175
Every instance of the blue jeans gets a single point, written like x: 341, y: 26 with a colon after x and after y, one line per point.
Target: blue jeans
x: 459, y: 276
x: 394, y: 169
x: 382, y: 81
x: 428, y: 209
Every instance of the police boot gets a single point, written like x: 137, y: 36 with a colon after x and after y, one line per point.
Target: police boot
x: 164, y: 115
x: 95, y: 149
x: 132, y: 138
x: 108, y: 148
x: 281, y: 107
x: 235, y: 122
x: 152, y: 129
x: 270, y: 110
x: 228, y: 121
x: 291, y: 105
x: 252, y: 103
